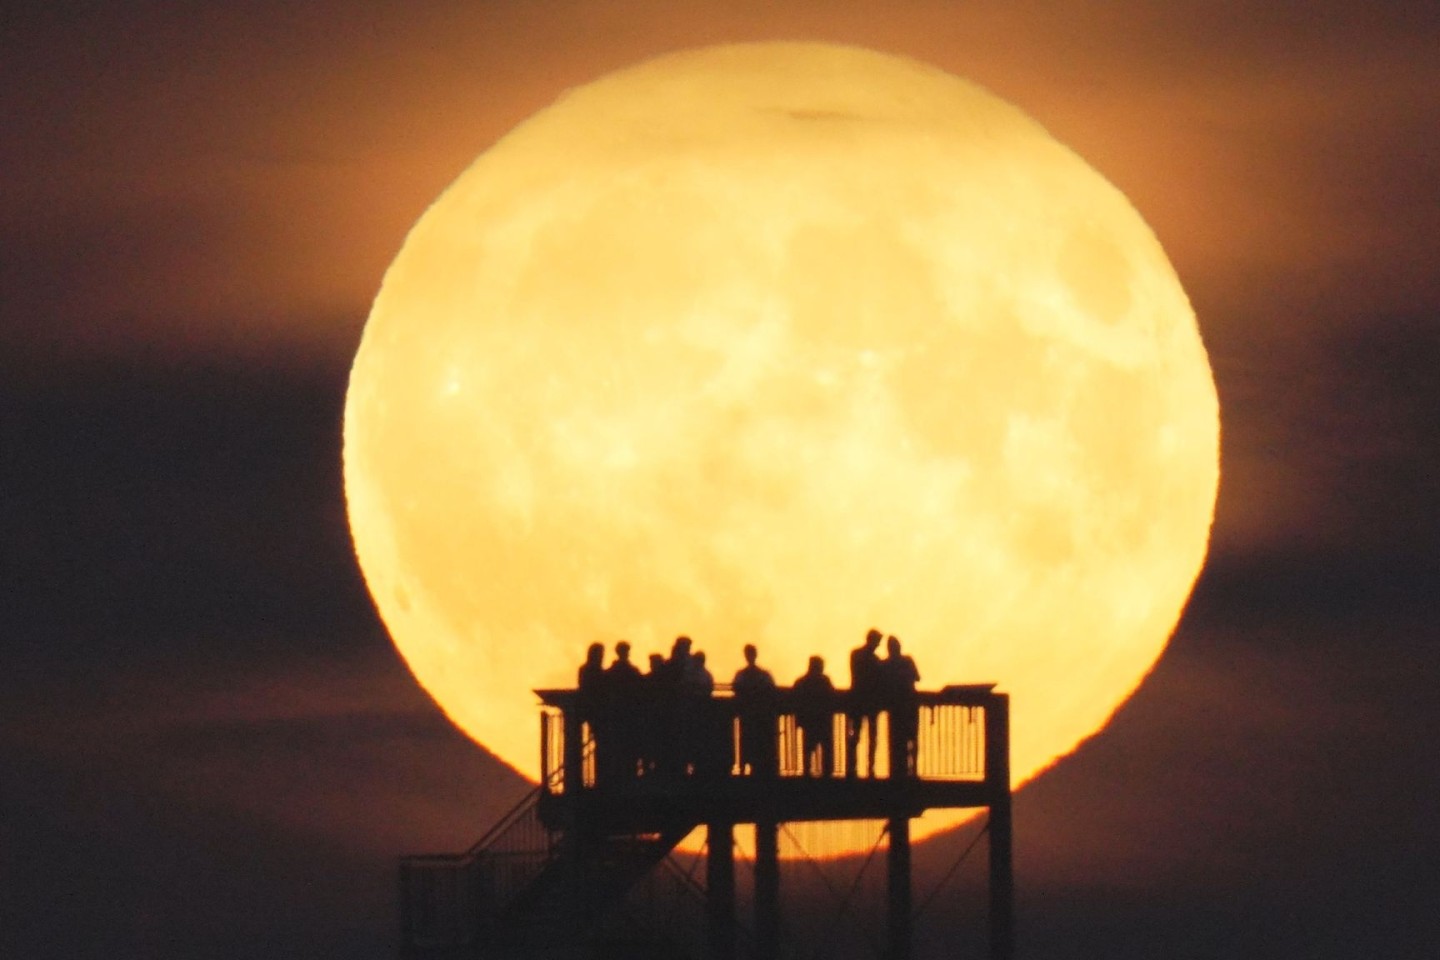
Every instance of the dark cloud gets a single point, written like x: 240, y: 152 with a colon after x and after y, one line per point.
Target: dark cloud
x: 228, y: 809
x: 1328, y: 439
x: 1266, y: 138
x: 1243, y: 802
x: 1247, y: 800
x: 95, y: 870
x: 1377, y: 416
x: 161, y: 505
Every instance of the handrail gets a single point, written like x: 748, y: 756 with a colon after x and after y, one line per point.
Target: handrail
x: 933, y: 735
x: 842, y: 699
x: 531, y: 799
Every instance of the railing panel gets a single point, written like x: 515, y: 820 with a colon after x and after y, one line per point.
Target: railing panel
x: 937, y: 735
x: 951, y: 742
x: 552, y: 750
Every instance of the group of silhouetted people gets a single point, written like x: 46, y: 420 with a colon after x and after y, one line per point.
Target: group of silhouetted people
x: 666, y: 722
x: 881, y: 685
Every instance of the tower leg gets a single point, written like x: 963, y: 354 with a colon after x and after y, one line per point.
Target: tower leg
x: 997, y: 779
x: 1002, y: 883
x: 720, y: 890
x: 899, y: 886
x: 767, y: 890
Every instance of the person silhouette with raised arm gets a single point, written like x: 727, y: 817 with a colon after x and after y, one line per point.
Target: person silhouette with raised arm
x: 863, y: 710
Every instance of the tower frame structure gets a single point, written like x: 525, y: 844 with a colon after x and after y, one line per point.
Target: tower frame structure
x: 624, y: 781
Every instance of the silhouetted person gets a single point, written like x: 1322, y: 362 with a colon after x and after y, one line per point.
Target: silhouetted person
x: 696, y: 721
x: 590, y: 681
x: 679, y: 660
x: 622, y: 675
x: 654, y: 713
x: 673, y: 732
x: 697, y: 679
x: 900, y: 675
x: 593, y: 705
x: 814, y: 715
x: 623, y: 709
x: 592, y: 672
x: 754, y: 690
x: 863, y: 711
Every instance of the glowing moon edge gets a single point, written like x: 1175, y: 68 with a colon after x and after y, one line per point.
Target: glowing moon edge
x: 770, y: 343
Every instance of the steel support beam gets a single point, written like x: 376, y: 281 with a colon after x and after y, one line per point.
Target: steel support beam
x: 899, y: 888
x: 997, y: 780
x: 720, y: 890
x: 767, y: 890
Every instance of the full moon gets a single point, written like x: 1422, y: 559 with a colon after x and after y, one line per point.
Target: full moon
x: 770, y: 344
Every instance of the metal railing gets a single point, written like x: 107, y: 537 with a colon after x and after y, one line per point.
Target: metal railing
x: 451, y: 899
x: 456, y: 900
x: 951, y: 742
x: 931, y: 735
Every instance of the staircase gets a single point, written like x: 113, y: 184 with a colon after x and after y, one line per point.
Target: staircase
x: 526, y: 889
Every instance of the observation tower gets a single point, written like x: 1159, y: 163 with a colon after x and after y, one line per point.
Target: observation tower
x: 583, y: 867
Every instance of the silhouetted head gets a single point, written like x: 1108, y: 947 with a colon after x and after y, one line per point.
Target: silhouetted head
x: 872, y: 639
x: 817, y: 665
x: 892, y: 646
x: 657, y: 663
x: 751, y: 653
x: 596, y: 653
x: 622, y: 650
x: 682, y: 645
x: 699, y: 657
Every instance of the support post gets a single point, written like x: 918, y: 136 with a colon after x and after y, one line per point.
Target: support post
x: 767, y: 889
x: 720, y: 890
x: 899, y: 886
x: 997, y: 782
x: 573, y: 754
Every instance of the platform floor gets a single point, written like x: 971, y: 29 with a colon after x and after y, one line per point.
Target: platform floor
x: 655, y: 804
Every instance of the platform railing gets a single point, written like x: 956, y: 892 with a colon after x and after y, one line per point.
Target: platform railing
x: 447, y: 899
x: 588, y: 741
x: 951, y: 742
x: 452, y: 902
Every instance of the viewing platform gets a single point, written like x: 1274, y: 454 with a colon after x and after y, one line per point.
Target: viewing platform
x: 582, y: 867
x: 643, y: 764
